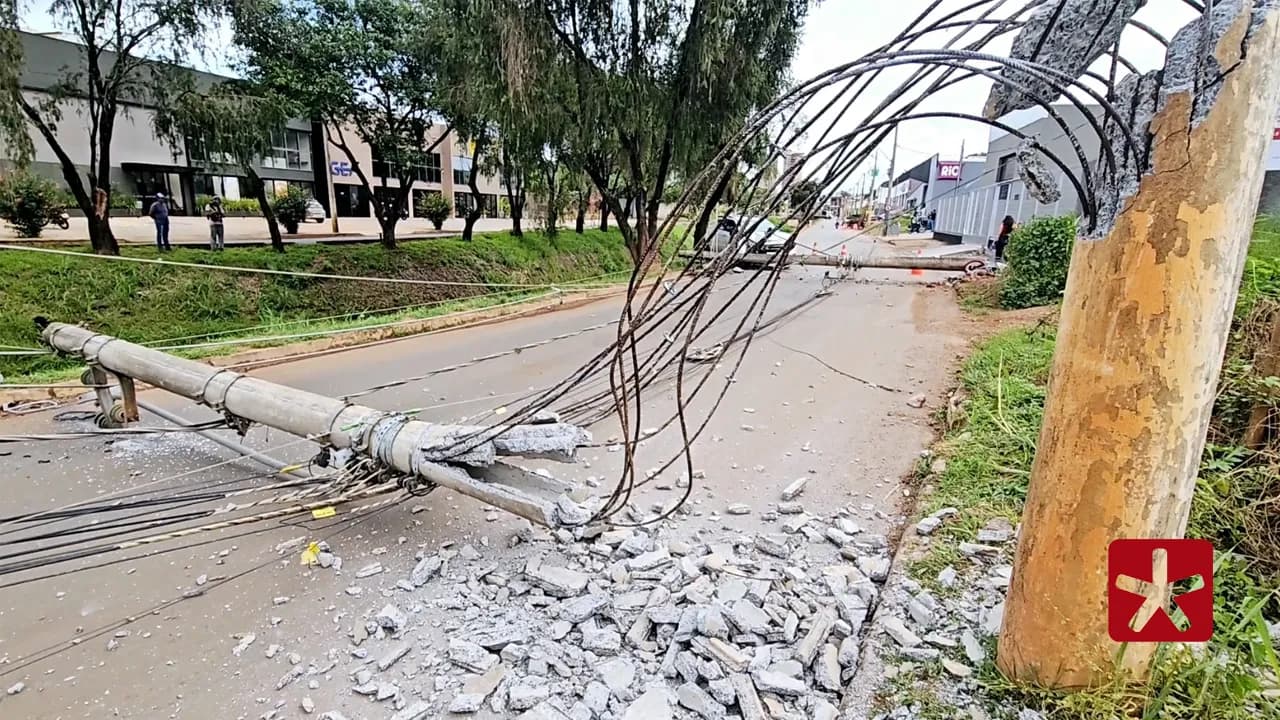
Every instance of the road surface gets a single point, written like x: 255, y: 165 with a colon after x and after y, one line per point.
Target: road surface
x: 119, y: 640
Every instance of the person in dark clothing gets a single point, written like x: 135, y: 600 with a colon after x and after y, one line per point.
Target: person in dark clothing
x: 1006, y: 229
x: 215, y: 214
x: 160, y: 214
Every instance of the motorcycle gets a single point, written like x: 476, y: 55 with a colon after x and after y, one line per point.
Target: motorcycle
x: 57, y: 217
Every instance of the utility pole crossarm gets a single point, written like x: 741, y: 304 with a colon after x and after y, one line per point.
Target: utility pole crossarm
x: 459, y: 457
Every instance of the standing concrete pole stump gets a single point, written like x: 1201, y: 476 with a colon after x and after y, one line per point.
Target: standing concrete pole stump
x: 1144, y: 325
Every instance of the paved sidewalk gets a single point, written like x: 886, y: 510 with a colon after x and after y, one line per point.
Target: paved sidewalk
x: 194, y: 231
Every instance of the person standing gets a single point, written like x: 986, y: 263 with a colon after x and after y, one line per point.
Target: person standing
x: 1006, y: 229
x: 159, y: 213
x: 214, y: 212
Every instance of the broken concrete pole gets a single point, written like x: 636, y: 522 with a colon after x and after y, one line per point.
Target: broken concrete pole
x: 823, y: 621
x: 1065, y: 35
x: 792, y: 491
x: 1150, y: 300
x: 748, y: 701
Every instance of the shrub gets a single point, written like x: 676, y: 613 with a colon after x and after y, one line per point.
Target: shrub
x: 291, y: 208
x: 1038, y: 255
x: 27, y: 201
x: 435, y: 208
x: 242, y: 205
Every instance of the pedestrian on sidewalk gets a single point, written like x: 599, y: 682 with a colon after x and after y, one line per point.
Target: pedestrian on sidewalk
x: 214, y: 212
x: 1006, y: 229
x: 159, y: 212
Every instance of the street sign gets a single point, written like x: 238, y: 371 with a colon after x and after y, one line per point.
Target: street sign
x: 948, y: 170
x: 340, y: 168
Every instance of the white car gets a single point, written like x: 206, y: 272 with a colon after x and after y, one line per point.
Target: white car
x: 764, y: 236
x: 315, y: 211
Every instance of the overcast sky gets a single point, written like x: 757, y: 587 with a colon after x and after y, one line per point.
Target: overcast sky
x: 838, y: 31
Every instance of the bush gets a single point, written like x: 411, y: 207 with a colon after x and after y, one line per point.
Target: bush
x: 291, y: 208
x: 27, y: 201
x: 1038, y: 255
x: 435, y: 208
x: 248, y: 206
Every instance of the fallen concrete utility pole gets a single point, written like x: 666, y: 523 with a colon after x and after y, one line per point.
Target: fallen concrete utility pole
x: 1144, y: 323
x: 458, y: 457
x: 898, y: 262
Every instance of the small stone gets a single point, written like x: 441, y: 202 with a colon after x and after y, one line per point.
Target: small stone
x: 391, y: 618
x: 696, y: 699
x: 847, y: 526
x: 426, y: 569
x: 308, y: 705
x: 947, y: 576
x: 874, y: 567
x: 793, y: 490
x: 272, y: 650
x: 466, y: 703
x: 972, y: 648
x: 16, y: 688
x: 471, y: 656
x: 790, y: 508
x: 827, y: 669
x: 392, y: 657
x: 599, y: 639
x: 928, y: 525
x: 996, y: 532
x: 617, y: 674
x: 992, y: 618
x: 899, y: 631
x: 578, y: 610
x: 369, y: 571
x: 849, y: 651
x: 738, y: 509
x: 596, y: 698
x: 557, y: 581
x: 921, y: 613
x: 202, y: 579
x: 774, y: 544
x: 917, y: 401
x: 823, y: 710
x: 958, y: 669
x: 920, y: 654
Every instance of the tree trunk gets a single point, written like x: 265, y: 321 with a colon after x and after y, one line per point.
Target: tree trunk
x: 1144, y: 323
x: 708, y: 210
x: 473, y: 182
x: 517, y: 214
x: 580, y: 225
x: 1267, y: 363
x: 264, y: 204
x: 388, y: 224
x: 553, y: 202
x: 604, y: 216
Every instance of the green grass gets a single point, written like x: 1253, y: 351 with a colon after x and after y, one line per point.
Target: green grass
x: 147, y: 303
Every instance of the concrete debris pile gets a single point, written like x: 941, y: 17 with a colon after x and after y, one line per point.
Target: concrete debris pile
x: 629, y: 624
x: 951, y: 628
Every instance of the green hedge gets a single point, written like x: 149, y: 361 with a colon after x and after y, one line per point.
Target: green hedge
x: 1038, y: 254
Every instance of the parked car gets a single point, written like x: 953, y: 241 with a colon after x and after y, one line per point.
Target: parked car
x: 315, y: 211
x: 764, y: 236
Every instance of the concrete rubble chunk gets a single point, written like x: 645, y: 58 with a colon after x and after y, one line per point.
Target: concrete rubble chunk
x: 899, y: 631
x: 722, y: 691
x: 749, y: 704
x: 497, y: 638
x: 920, y: 654
x: 726, y: 654
x: 849, y: 651
x: 992, y: 619
x: 599, y: 639
x: 774, y: 544
x: 947, y: 577
x: 969, y: 549
x: 521, y: 696
x: 738, y: 509
x: 470, y: 656
x: 16, y: 688
x: 369, y: 571
x: 712, y: 624
x: 731, y: 590
x: 664, y: 614
x: 823, y: 621
x: 596, y: 698
x: 391, y: 618
x: 466, y: 703
x: 920, y: 613
x: 687, y: 666
x: 579, y: 609
x: 557, y: 581
x: 542, y: 711
x: 928, y: 525
x: 793, y: 490
x: 996, y: 532
x: 790, y: 508
x: 960, y: 670
x: 650, y: 560
x: 696, y: 699
x: 332, y: 715
x: 418, y: 711
x: 852, y: 608
x: 654, y: 704
x: 847, y: 526
x: 426, y: 569
x: 972, y: 648
x: 827, y: 669
x: 837, y: 537
x: 823, y: 710
x: 393, y: 657
x: 779, y: 684
x: 874, y: 567
x: 747, y: 617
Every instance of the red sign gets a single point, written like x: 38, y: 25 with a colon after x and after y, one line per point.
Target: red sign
x: 1140, y: 584
x: 948, y: 170
x: 1275, y: 134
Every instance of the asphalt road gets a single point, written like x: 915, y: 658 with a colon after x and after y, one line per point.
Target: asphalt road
x: 120, y: 640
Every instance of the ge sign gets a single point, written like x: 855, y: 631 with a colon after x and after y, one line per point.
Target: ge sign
x: 949, y: 170
x: 341, y: 169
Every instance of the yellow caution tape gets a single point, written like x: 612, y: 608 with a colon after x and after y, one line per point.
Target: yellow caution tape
x: 311, y: 555
x: 324, y: 512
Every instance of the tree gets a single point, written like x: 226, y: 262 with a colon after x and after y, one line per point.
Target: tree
x: 366, y: 68
x: 111, y: 75
x: 27, y: 201
x: 230, y: 124
x: 656, y: 85
x: 435, y: 208
x: 805, y: 193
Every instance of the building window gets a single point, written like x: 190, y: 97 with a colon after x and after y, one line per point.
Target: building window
x: 426, y: 173
x: 461, y: 170
x: 1006, y: 168
x: 290, y: 150
x: 461, y: 202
